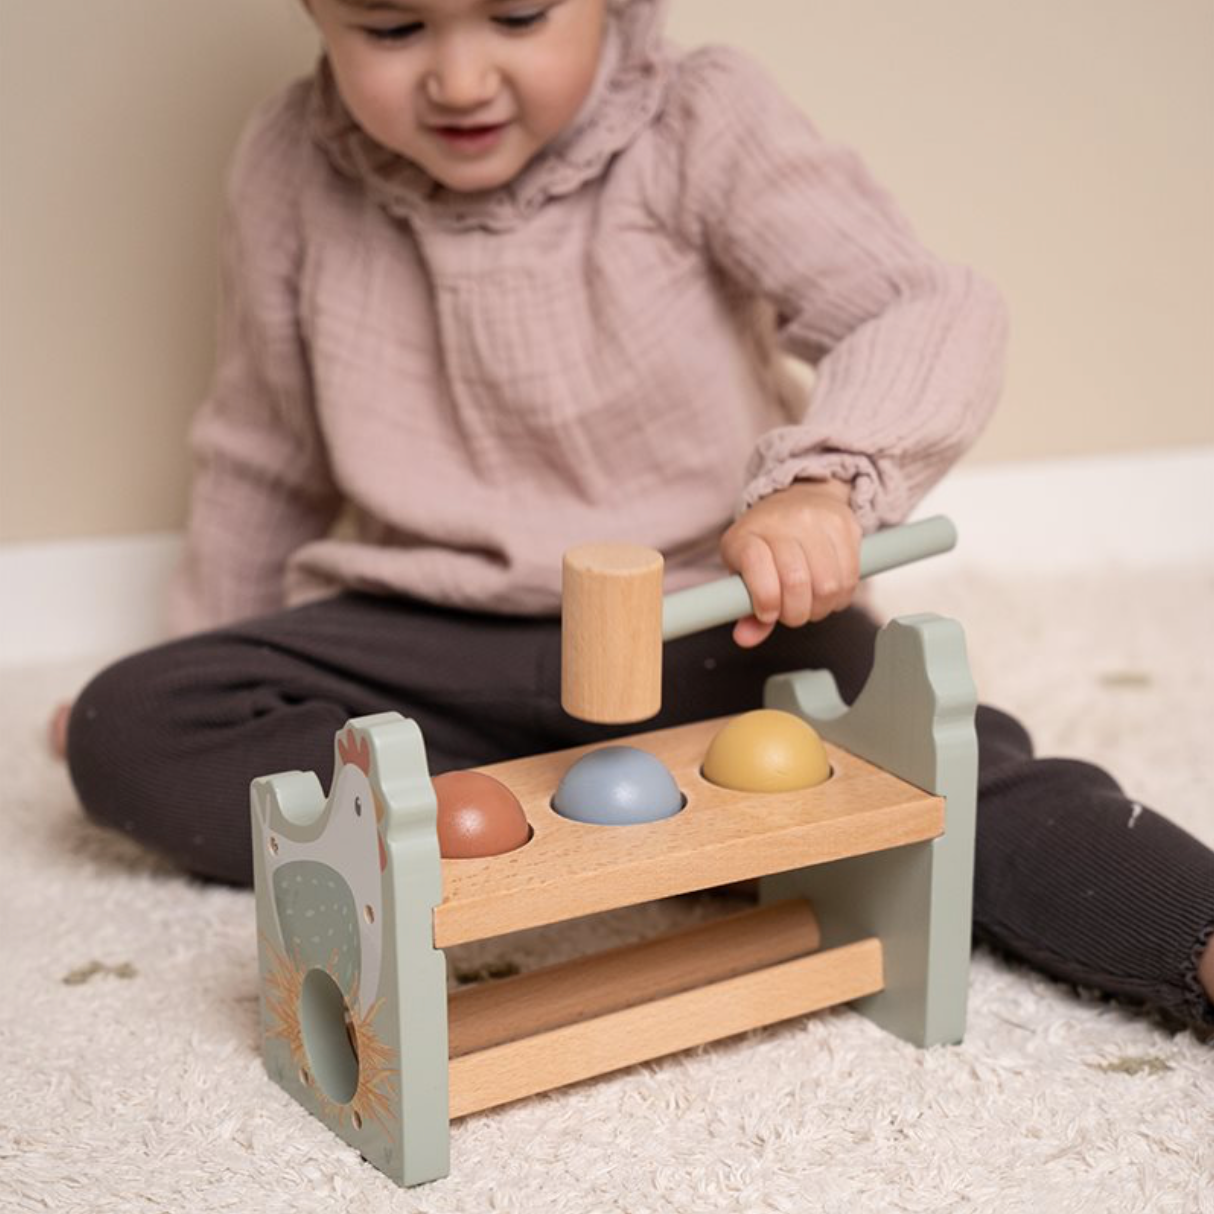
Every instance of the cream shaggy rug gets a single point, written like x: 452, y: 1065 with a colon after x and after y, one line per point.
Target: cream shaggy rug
x: 130, y: 1078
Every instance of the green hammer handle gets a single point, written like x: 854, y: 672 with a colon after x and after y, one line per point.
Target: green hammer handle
x: 726, y: 600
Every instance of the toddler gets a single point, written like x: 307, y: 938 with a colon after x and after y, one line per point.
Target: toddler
x: 503, y: 276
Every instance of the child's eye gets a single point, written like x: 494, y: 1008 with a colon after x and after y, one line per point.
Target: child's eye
x: 521, y: 21
x: 393, y: 33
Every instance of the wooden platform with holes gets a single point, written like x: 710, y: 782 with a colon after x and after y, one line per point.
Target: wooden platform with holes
x: 864, y: 881
x: 573, y: 868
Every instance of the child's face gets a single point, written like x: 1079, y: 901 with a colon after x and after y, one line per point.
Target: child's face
x: 469, y: 90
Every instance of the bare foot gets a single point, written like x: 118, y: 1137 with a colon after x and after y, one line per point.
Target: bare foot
x: 57, y: 730
x: 1205, y: 971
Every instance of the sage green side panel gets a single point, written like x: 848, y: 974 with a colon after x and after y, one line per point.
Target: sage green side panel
x: 353, y: 993
x: 914, y: 718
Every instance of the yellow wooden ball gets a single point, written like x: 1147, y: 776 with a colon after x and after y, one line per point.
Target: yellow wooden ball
x: 766, y: 751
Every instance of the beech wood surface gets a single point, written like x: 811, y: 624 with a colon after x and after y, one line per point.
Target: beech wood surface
x: 572, y: 868
x: 573, y: 1052
x: 611, y: 633
x: 494, y: 1012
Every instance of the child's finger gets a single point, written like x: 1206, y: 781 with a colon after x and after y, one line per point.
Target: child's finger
x: 757, y: 565
x: 824, y: 570
x: 797, y: 586
x: 749, y: 632
x: 752, y: 559
x: 846, y: 542
x: 835, y: 569
x: 832, y: 588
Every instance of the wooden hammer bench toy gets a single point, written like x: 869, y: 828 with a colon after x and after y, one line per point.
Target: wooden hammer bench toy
x: 864, y: 896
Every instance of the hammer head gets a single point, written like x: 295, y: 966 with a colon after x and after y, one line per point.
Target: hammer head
x: 611, y: 633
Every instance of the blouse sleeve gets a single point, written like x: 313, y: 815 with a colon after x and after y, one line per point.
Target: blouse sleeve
x: 262, y: 486
x: 907, y: 349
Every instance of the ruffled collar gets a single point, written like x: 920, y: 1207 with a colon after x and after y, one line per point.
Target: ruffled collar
x: 626, y: 94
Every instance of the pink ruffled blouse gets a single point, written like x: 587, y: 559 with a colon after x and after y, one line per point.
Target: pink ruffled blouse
x: 429, y: 393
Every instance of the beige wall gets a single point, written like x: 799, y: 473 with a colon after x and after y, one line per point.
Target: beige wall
x: 1064, y: 146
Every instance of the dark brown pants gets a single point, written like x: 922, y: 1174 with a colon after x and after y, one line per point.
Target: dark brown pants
x: 1072, y: 876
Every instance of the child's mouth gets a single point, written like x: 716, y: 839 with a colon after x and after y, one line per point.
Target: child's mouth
x: 471, y: 138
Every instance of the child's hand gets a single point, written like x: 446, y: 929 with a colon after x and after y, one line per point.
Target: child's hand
x: 798, y: 552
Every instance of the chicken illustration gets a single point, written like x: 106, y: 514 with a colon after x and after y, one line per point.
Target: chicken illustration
x: 328, y: 911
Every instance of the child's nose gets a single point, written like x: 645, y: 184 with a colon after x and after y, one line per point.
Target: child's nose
x: 461, y: 76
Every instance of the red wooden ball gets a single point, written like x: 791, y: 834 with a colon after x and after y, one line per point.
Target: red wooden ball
x: 477, y: 816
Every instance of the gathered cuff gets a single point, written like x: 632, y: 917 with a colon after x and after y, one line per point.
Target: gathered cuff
x: 869, y: 502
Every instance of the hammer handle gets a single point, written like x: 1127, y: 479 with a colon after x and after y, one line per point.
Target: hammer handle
x: 726, y: 600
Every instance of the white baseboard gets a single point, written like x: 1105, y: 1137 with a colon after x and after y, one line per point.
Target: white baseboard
x: 70, y: 599
x: 1145, y: 509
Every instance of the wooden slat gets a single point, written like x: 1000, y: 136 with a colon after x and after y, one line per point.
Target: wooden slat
x: 496, y: 1012
x: 635, y: 1034
x: 572, y: 868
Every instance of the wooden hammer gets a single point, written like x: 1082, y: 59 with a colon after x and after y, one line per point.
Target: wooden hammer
x: 614, y: 617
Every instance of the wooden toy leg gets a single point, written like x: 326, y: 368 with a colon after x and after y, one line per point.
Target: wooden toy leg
x: 914, y: 718
x: 353, y: 992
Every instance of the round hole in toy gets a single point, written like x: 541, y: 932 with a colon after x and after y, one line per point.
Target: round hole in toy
x: 477, y: 816
x: 766, y: 751
x: 323, y: 1017
x: 618, y: 786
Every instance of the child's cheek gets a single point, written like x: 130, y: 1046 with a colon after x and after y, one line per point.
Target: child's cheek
x: 560, y: 80
x: 374, y: 94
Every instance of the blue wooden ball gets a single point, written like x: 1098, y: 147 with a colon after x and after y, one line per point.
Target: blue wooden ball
x: 617, y: 786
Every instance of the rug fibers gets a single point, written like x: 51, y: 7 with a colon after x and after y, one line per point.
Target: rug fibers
x: 130, y: 1078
